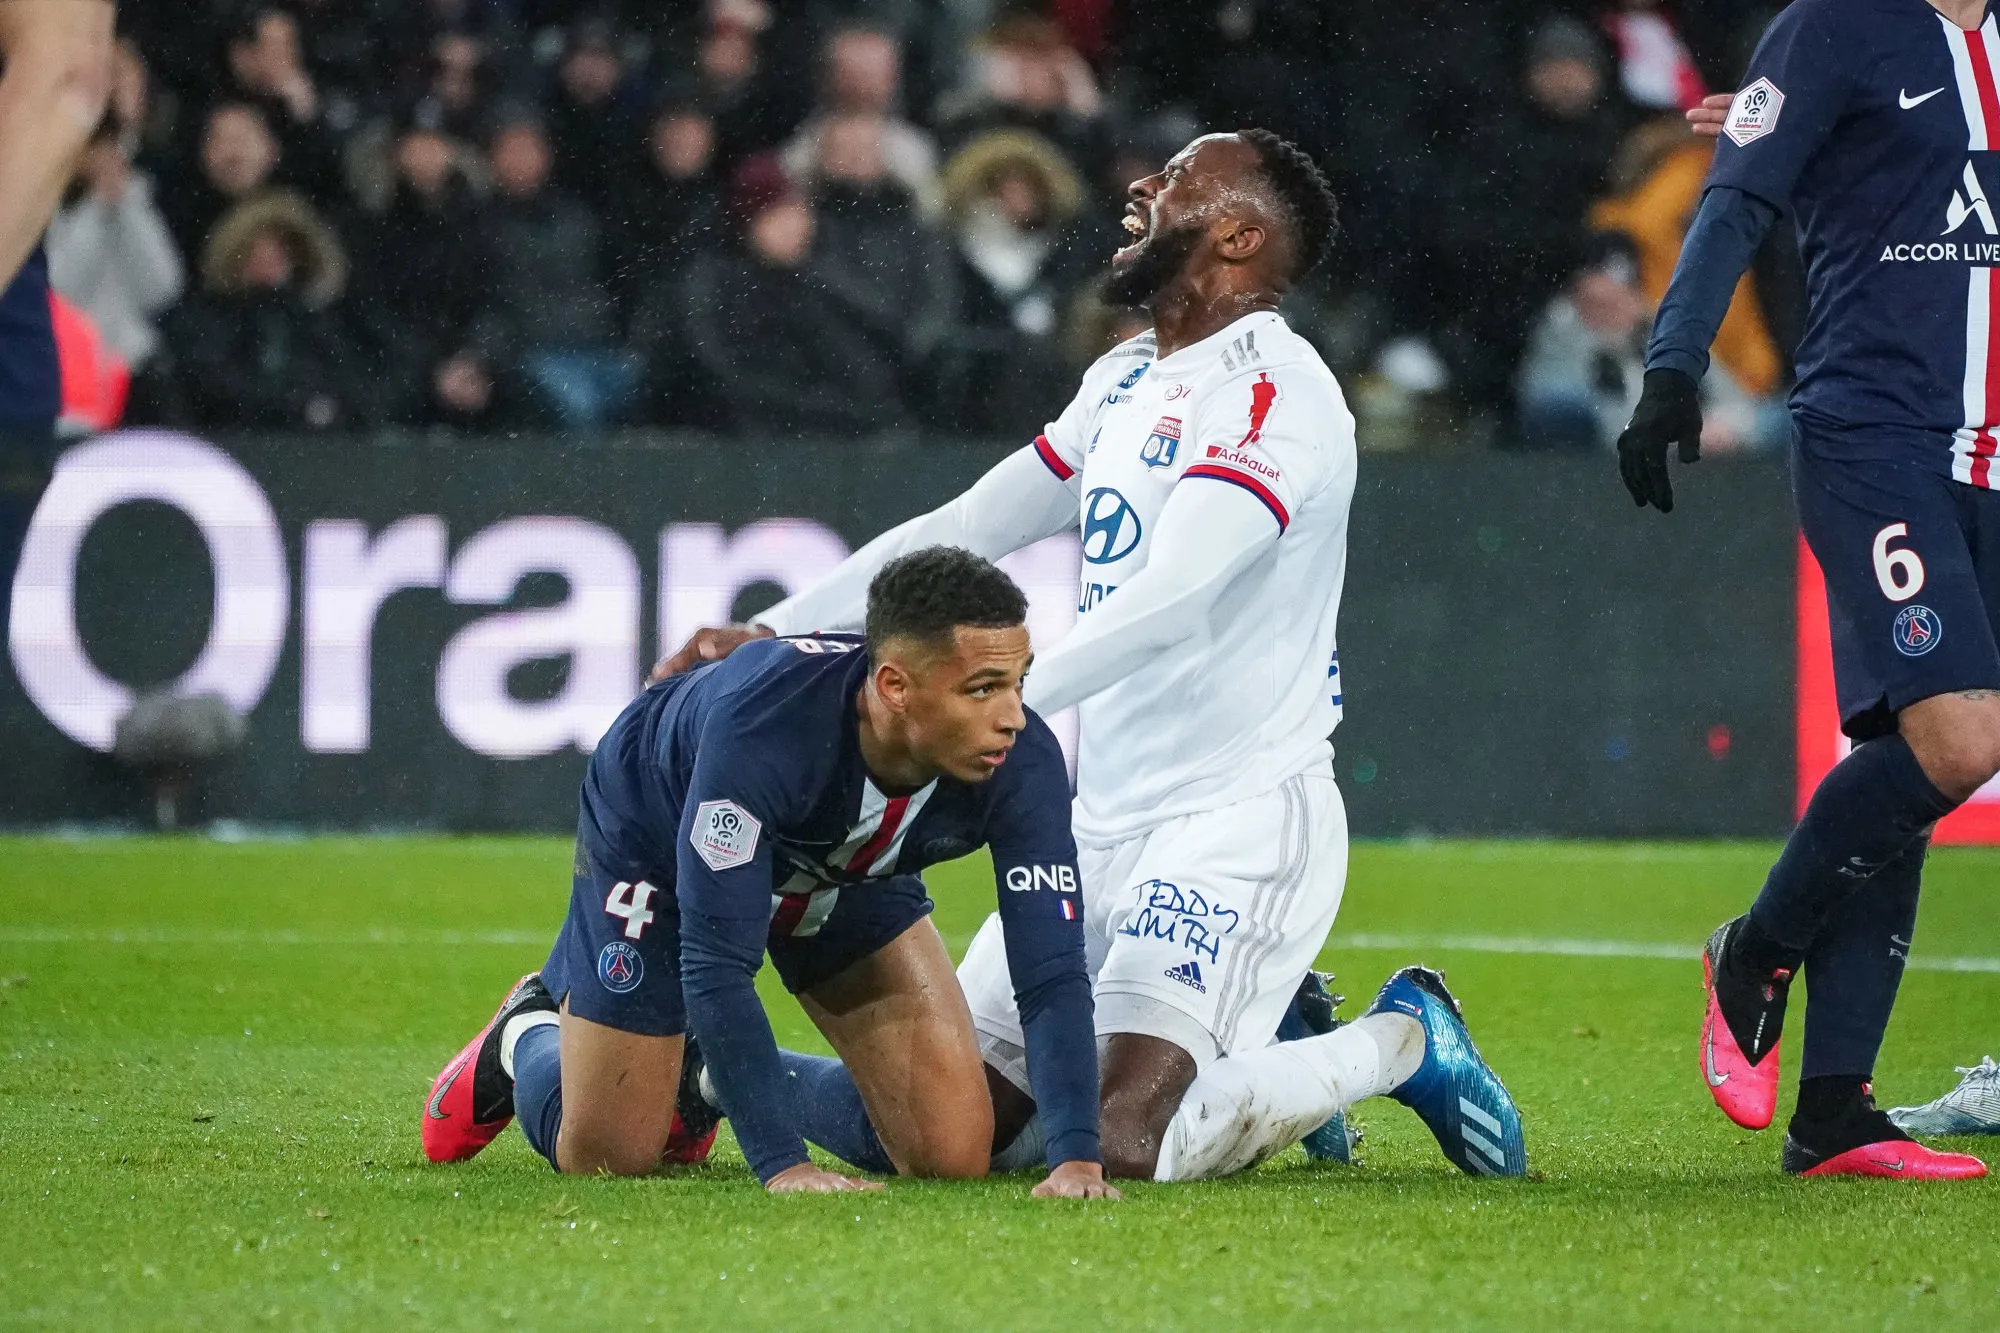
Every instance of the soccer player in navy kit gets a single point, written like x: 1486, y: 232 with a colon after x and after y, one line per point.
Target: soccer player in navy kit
x: 1877, y: 124
x: 786, y: 799
x: 57, y: 55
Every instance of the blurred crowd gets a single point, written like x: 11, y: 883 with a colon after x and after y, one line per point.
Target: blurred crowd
x: 845, y: 218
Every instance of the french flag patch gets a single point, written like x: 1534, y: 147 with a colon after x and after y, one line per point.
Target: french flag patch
x: 1068, y: 910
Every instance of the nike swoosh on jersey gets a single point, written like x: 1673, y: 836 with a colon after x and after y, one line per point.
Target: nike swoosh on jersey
x: 444, y: 1086
x: 1908, y: 102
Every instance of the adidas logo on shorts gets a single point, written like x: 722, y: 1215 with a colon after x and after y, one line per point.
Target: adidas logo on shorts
x: 1188, y: 974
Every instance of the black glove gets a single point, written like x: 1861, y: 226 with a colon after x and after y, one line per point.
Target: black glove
x: 1669, y: 410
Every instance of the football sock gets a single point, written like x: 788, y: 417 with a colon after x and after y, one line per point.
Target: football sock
x: 1245, y: 1108
x: 510, y: 1036
x: 831, y: 1113
x: 538, y: 1087
x: 1835, y: 1114
x: 1865, y: 812
x: 1854, y: 967
x: 1029, y: 1148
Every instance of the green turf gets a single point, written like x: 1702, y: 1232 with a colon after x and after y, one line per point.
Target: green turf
x: 212, y: 1059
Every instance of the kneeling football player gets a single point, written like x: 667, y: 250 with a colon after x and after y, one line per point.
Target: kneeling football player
x: 784, y: 800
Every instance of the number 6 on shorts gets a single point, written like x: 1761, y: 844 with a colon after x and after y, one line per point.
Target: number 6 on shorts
x: 1900, y: 573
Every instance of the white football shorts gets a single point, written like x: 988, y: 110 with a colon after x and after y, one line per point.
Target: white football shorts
x: 1198, y: 931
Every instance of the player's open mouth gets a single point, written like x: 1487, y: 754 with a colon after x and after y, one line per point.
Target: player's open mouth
x: 993, y: 758
x: 1139, y: 226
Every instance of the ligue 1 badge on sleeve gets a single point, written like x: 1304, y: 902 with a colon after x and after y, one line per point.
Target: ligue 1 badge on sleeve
x: 1754, y: 113
x: 725, y: 834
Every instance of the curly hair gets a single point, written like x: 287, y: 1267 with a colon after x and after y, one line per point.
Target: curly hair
x: 1303, y: 192
x: 927, y: 594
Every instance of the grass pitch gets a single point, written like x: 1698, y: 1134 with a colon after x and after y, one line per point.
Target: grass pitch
x: 212, y: 1060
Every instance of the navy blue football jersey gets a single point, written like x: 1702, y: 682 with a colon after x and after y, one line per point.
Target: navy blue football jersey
x: 741, y: 791
x: 1877, y: 122
x: 30, y: 379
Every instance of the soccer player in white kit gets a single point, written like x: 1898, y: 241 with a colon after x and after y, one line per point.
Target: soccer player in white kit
x: 1209, y: 466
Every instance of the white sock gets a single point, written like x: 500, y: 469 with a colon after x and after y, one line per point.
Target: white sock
x: 1029, y: 1148
x: 1246, y: 1108
x: 510, y: 1036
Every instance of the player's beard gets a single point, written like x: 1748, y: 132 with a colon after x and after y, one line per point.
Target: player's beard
x: 1140, y: 279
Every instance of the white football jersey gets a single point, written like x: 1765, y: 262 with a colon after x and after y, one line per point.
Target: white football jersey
x: 1254, y: 696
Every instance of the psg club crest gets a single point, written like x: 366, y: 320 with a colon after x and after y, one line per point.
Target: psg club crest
x: 620, y: 968
x: 1162, y: 444
x: 1917, y: 631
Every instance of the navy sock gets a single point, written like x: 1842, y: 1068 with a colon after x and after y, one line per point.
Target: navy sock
x: 1854, y: 967
x: 830, y: 1111
x: 1865, y: 812
x: 538, y: 1087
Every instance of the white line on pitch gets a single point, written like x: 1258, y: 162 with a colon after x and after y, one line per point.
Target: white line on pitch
x: 1530, y: 945
x: 1559, y: 948
x: 231, y: 938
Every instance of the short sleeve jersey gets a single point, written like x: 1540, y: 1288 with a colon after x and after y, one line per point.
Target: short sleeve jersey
x: 1254, y: 698
x: 1877, y: 122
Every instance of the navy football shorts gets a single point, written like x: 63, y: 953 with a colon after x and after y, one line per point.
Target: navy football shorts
x: 1912, y: 564
x: 618, y: 956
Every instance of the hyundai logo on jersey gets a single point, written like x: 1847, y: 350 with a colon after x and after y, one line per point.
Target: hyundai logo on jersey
x: 1110, y: 528
x: 1161, y: 445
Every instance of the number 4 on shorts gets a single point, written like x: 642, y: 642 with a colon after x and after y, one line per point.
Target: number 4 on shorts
x: 634, y: 903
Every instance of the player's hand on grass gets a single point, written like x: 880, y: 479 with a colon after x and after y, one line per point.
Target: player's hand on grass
x: 1669, y: 412
x: 706, y: 645
x: 1076, y: 1180
x: 1708, y: 117
x: 805, y: 1178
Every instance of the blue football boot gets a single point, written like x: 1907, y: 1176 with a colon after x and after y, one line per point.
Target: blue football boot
x: 1454, y: 1089
x: 1311, y: 1015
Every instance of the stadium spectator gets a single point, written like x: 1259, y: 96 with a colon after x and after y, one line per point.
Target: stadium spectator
x: 1542, y: 157
x: 454, y: 85
x: 672, y: 206
x: 591, y: 130
x: 263, y: 344
x: 863, y: 77
x: 873, y: 244
x: 1656, y: 182
x: 1240, y: 64
x: 111, y: 253
x: 745, y: 102
x: 546, y: 319
x: 778, y: 352
x: 266, y: 67
x: 1012, y: 199
x: 1025, y: 75
x: 1586, y: 364
x: 1655, y: 68
x: 338, y: 41
x: 415, y: 289
x: 238, y: 157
